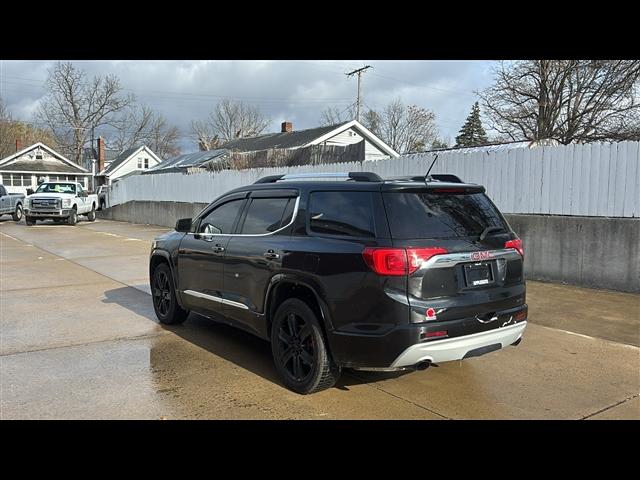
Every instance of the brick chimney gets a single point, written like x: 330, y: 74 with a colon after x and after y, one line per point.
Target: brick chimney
x: 18, y: 144
x: 286, y: 127
x: 101, y: 155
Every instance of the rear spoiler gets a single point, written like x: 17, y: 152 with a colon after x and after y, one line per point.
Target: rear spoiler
x: 432, y: 187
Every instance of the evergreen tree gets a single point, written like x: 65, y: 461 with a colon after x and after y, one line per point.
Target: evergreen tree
x: 472, y: 133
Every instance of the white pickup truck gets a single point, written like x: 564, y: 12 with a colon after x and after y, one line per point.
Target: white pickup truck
x: 60, y: 201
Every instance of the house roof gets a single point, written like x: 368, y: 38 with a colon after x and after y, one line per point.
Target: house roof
x: 304, y: 138
x: 11, y: 162
x: 119, y: 160
x: 186, y: 160
x: 40, y: 166
x: 293, y: 139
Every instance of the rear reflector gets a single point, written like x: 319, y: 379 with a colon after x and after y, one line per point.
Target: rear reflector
x: 516, y: 245
x: 521, y: 315
x: 439, y: 333
x: 398, y: 261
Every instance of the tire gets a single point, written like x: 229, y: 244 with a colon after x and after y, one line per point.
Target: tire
x: 164, y: 298
x: 17, y: 215
x: 299, y: 349
x: 73, y: 217
x: 29, y: 221
x: 91, y: 216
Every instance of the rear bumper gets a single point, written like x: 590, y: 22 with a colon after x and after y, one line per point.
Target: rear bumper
x: 458, y: 348
x: 403, y: 346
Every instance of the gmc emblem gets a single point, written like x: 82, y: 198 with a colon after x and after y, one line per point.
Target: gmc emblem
x: 481, y: 255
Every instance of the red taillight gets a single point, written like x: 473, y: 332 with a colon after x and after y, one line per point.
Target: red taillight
x: 398, y: 261
x: 419, y: 255
x: 386, y: 261
x: 516, y: 245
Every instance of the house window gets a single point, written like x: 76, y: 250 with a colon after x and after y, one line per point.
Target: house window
x: 146, y: 163
x: 139, y: 163
x: 38, y: 156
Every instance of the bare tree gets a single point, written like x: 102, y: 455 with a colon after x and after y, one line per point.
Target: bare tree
x: 75, y: 104
x: 140, y: 125
x: 230, y: 119
x: 12, y: 130
x: 565, y: 100
x: 405, y: 128
x: 205, y: 135
x: 334, y: 115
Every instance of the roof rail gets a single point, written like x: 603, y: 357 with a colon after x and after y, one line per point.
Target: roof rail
x: 356, y: 176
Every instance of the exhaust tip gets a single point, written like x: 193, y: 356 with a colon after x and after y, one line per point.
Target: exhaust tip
x: 423, y: 365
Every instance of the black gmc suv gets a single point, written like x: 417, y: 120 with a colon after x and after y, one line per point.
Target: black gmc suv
x: 349, y: 271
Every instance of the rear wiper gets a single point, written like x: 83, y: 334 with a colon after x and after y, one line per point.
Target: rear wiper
x: 489, y: 230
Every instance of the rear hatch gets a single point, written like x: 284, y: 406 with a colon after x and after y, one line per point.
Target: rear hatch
x: 464, y: 261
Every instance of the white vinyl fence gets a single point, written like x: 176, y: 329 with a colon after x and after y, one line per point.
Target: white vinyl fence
x: 599, y: 179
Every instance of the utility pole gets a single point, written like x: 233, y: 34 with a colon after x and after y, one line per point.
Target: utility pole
x: 358, y: 72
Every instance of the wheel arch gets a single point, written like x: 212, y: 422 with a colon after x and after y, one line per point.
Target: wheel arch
x: 283, y: 286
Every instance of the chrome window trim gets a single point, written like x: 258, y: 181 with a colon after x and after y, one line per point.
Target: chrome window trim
x: 293, y: 218
x: 212, y: 298
x: 452, y: 259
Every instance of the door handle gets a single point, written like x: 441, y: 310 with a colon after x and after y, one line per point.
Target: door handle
x: 271, y: 254
x: 218, y: 248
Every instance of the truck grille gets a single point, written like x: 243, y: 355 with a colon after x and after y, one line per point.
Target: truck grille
x: 45, y: 203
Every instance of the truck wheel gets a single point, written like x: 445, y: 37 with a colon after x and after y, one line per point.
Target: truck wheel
x: 299, y: 349
x: 29, y: 221
x: 92, y: 214
x: 73, y: 217
x: 165, y: 303
x: 17, y: 215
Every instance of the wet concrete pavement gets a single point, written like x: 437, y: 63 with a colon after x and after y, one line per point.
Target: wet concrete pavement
x: 78, y: 339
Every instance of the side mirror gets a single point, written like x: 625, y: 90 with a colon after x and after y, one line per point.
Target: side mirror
x: 29, y: 191
x: 183, y: 225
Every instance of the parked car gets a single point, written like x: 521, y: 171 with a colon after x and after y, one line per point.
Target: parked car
x: 365, y: 273
x: 11, y: 203
x: 60, y: 201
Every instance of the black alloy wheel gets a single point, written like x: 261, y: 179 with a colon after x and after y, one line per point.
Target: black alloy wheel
x: 299, y: 349
x: 165, y: 303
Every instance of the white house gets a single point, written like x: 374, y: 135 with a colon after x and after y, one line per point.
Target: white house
x: 346, y: 133
x: 131, y: 160
x: 21, y: 170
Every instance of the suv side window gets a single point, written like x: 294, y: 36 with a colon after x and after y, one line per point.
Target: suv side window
x: 221, y: 219
x: 341, y: 213
x: 266, y: 215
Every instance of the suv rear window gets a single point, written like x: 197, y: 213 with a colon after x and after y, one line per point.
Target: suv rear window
x: 341, y: 213
x: 432, y: 215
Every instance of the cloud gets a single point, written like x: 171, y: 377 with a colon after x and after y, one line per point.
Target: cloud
x: 296, y: 91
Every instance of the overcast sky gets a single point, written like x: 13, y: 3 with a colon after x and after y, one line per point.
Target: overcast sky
x: 295, y: 91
